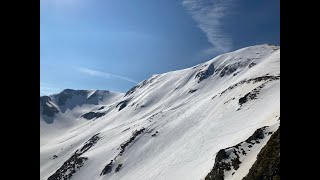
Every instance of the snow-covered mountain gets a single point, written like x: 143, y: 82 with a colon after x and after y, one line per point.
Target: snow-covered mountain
x: 210, y: 121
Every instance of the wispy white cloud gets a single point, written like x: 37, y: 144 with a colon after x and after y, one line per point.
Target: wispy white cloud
x: 101, y: 74
x: 48, y: 89
x: 209, y: 15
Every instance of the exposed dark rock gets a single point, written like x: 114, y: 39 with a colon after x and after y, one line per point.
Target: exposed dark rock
x: 64, y: 96
x: 126, y: 129
x: 132, y: 90
x: 205, y: 73
x: 231, y: 68
x: 123, y: 104
x: 228, y: 70
x: 251, y: 95
x: 81, y: 97
x: 102, y: 107
x: 54, y: 156
x: 253, y: 80
x: 91, y: 115
x: 107, y: 169
x: 69, y: 167
x: 118, y: 168
x: 267, y: 165
x: 217, y: 173
x: 153, y: 135
x: 46, y: 109
x: 66, y: 171
x: 125, y: 144
x: 258, y: 134
x: 252, y: 64
x: 229, y: 157
x: 91, y: 142
x: 192, y: 90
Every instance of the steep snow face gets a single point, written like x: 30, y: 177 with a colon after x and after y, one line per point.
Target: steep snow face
x: 170, y: 126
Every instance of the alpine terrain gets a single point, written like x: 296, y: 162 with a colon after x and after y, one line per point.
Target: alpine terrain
x: 216, y: 120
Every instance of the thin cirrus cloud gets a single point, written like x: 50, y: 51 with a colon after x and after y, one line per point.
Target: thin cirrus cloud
x: 209, y: 15
x: 48, y: 89
x: 96, y: 73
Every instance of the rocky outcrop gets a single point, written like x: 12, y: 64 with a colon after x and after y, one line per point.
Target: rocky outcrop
x: 47, y: 107
x: 122, y: 104
x: 132, y: 138
x: 91, y: 115
x: 229, y: 158
x: 265, y: 78
x: 204, y: 74
x: 75, y: 162
x: 250, y: 95
x: 107, y: 169
x: 267, y: 165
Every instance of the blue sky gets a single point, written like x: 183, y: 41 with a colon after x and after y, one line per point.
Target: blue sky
x: 114, y: 44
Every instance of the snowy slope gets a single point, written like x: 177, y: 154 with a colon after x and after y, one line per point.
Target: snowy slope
x: 60, y: 112
x: 170, y: 126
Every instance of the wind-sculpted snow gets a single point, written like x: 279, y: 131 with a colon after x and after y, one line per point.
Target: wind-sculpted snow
x: 141, y: 85
x: 171, y: 126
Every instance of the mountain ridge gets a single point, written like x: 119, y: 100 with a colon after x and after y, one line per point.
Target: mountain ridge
x: 169, y: 126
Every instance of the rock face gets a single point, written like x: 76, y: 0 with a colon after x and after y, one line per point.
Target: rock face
x: 229, y: 159
x: 107, y: 169
x: 91, y: 115
x: 48, y: 108
x: 204, y: 74
x: 123, y: 104
x: 75, y: 162
x: 132, y: 138
x: 68, y: 99
x: 267, y: 165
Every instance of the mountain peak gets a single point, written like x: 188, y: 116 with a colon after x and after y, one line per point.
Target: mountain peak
x: 211, y: 120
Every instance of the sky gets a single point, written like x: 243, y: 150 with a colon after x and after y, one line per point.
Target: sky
x: 115, y: 44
